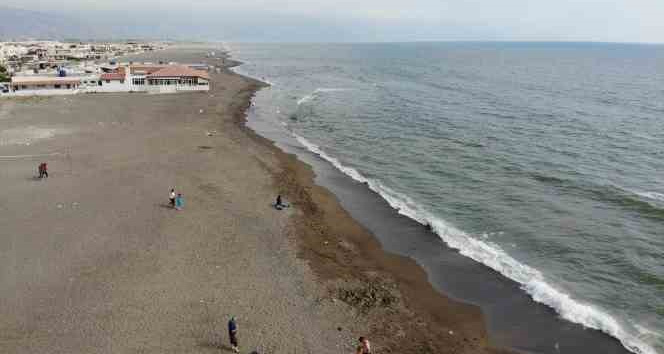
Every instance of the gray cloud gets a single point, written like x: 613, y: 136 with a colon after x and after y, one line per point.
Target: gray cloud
x: 370, y: 20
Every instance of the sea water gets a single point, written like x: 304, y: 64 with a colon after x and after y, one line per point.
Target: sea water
x: 542, y: 161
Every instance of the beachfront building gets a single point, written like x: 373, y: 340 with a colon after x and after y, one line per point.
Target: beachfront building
x: 44, y: 86
x: 174, y: 78
x: 149, y: 78
x: 116, y: 80
x: 152, y: 78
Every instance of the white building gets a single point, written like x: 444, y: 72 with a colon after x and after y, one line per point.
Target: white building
x: 174, y: 78
x: 44, y: 86
x: 127, y: 78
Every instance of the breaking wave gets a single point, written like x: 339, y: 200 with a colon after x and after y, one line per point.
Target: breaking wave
x: 316, y: 93
x: 532, y: 281
x: 651, y: 195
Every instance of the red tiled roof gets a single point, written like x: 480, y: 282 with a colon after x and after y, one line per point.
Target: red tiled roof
x: 112, y: 76
x: 179, y: 71
x: 148, y: 69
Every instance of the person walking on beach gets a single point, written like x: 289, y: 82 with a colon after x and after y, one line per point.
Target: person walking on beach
x: 43, y: 170
x: 171, y: 198
x: 364, y: 347
x: 232, y: 334
x: 179, y: 202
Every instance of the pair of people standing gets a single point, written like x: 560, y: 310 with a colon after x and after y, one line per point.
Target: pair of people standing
x: 176, y: 200
x: 364, y: 346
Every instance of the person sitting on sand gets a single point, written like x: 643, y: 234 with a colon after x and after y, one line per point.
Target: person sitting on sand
x: 179, y: 202
x: 232, y: 334
x: 364, y: 347
x: 279, y: 203
x: 171, y: 198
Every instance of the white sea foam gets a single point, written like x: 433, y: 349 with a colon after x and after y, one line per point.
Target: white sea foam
x: 240, y: 71
x: 490, y: 254
x: 316, y: 93
x: 651, y: 195
x: 306, y: 99
x: 323, y: 89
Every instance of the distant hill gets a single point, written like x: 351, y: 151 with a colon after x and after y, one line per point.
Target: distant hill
x: 24, y: 24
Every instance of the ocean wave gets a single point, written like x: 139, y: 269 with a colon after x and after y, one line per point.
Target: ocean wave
x: 490, y: 254
x: 650, y: 207
x: 316, y: 93
x: 240, y: 71
x: 306, y: 99
x: 650, y: 195
x: 632, y: 200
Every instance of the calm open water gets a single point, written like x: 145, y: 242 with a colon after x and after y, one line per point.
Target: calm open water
x: 542, y: 161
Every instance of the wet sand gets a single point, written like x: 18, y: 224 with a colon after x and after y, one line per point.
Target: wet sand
x: 93, y: 260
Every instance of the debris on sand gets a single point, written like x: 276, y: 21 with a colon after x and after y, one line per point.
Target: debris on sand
x: 367, y: 296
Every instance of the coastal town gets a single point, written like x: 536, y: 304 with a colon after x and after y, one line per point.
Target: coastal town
x: 47, y: 68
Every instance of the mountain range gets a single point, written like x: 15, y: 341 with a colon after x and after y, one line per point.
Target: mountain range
x: 18, y: 24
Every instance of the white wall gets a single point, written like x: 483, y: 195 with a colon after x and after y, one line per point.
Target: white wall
x: 176, y: 88
x: 162, y: 88
x: 43, y: 92
x: 113, y: 86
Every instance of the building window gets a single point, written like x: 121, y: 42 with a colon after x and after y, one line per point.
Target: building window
x: 108, y: 81
x: 57, y: 86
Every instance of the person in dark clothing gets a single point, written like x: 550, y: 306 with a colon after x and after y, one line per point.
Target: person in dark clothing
x: 364, y: 347
x: 232, y: 334
x: 43, y: 170
x: 280, y: 204
x: 171, y: 198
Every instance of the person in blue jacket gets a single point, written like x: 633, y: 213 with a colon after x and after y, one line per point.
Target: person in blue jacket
x: 232, y: 334
x: 179, y: 202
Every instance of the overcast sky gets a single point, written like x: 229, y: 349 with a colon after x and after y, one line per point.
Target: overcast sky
x: 373, y: 20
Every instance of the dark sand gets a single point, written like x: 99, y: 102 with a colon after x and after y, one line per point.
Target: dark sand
x: 93, y: 260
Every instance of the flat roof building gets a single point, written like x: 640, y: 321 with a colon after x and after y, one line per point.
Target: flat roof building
x: 35, y: 85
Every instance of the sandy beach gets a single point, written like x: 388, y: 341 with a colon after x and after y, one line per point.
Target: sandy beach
x: 93, y: 259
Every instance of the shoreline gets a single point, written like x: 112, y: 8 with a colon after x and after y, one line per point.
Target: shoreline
x: 346, y: 256
x: 507, y: 308
x: 96, y: 260
x: 310, y: 278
